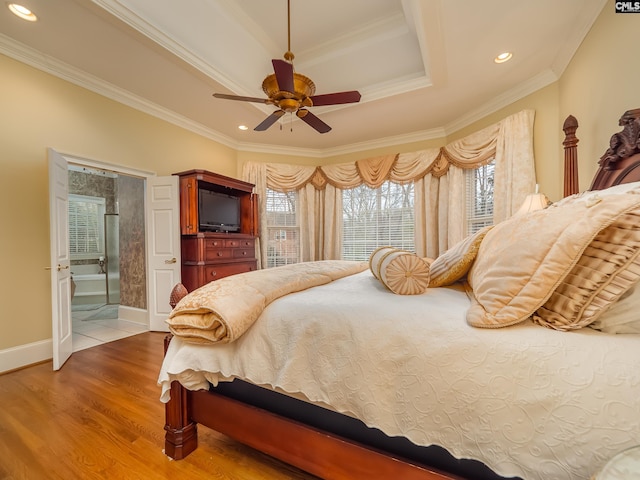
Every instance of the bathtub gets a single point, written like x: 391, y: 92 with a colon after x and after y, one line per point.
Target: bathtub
x: 90, y: 288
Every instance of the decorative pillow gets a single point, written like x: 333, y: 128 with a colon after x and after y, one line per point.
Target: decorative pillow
x: 400, y: 271
x: 522, y: 260
x: 623, y: 316
x: 607, y: 269
x: 454, y: 264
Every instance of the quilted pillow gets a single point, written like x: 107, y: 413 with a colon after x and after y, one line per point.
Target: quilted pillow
x: 400, y: 271
x: 454, y: 264
x: 607, y: 269
x: 522, y: 260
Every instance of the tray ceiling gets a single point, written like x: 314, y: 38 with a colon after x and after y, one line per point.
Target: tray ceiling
x: 424, y: 67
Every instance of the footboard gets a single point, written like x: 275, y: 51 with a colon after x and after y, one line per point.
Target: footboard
x: 308, y: 448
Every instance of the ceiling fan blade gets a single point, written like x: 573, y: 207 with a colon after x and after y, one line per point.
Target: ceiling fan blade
x: 242, y: 99
x: 352, y: 96
x: 284, y: 75
x: 270, y: 120
x: 310, y: 119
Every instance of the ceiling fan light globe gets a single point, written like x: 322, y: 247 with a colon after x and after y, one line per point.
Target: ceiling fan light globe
x: 289, y: 104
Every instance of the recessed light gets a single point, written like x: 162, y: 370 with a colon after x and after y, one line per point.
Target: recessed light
x: 243, y: 127
x: 503, y: 57
x: 22, y: 12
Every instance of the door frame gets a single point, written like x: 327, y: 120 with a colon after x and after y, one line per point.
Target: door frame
x: 123, y: 170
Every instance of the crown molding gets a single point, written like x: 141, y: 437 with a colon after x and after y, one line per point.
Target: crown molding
x: 55, y: 67
x: 51, y: 65
x: 543, y: 79
x: 413, y: 137
x: 584, y: 20
x: 48, y: 64
x: 374, y: 33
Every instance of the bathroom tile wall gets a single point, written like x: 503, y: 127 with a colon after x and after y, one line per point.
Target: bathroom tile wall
x: 133, y: 275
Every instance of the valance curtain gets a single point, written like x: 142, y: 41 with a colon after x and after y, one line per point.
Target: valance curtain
x: 438, y: 177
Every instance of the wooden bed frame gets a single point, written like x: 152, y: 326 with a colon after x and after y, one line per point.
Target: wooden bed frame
x: 329, y: 455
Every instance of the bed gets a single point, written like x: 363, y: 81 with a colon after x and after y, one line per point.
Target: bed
x: 454, y: 400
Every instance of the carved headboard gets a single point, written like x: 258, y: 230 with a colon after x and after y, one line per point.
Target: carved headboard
x: 619, y: 164
x: 621, y: 161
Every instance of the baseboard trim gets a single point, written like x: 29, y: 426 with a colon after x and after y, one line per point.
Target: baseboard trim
x: 132, y: 314
x: 24, y: 355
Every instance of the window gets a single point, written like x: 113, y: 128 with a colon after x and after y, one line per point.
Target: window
x: 480, y: 183
x: 283, y: 232
x: 86, y: 226
x: 375, y: 218
x: 280, y: 234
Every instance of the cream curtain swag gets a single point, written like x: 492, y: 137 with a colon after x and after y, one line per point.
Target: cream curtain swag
x: 437, y: 174
x: 468, y: 153
x: 373, y: 172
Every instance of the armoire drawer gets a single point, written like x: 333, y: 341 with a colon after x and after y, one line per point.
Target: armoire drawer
x: 216, y: 272
x: 212, y: 254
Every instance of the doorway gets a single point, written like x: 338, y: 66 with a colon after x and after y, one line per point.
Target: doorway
x: 149, y: 260
x: 97, y: 232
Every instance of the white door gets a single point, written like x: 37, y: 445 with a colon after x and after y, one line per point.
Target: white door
x: 163, y: 246
x: 60, y: 259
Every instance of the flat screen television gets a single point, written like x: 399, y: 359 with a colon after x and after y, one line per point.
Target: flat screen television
x: 218, y: 212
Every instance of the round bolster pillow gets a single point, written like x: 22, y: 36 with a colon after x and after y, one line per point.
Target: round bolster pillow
x: 400, y: 271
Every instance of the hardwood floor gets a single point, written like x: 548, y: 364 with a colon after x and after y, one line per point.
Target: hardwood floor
x: 100, y: 417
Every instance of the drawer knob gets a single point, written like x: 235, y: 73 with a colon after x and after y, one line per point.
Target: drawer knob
x: 219, y: 254
x: 214, y: 273
x: 244, y: 253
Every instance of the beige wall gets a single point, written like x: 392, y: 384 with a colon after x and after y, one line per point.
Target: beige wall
x: 40, y: 111
x: 600, y: 84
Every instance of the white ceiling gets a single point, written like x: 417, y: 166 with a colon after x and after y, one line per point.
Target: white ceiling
x: 424, y: 67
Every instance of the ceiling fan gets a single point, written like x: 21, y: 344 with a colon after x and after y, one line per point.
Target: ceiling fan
x: 292, y: 92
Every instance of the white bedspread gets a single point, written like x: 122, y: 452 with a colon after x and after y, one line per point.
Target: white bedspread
x: 525, y: 400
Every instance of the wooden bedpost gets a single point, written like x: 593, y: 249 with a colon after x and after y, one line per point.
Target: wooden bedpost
x: 181, y: 437
x: 570, y: 156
